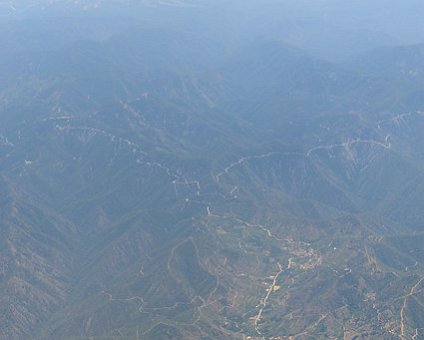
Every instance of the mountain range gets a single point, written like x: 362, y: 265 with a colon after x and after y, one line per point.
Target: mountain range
x: 167, y: 175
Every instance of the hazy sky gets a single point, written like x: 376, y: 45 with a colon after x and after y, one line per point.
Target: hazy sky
x: 331, y: 29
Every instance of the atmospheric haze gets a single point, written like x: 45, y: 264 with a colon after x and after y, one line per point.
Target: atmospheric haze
x: 192, y: 169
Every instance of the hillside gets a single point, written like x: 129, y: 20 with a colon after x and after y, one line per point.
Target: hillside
x: 160, y: 182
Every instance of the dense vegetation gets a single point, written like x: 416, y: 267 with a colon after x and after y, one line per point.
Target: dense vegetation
x: 185, y: 170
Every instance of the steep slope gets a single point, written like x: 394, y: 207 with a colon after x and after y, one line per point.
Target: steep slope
x: 152, y: 192
x: 36, y: 257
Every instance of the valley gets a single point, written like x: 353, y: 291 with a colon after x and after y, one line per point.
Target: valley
x: 223, y: 182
